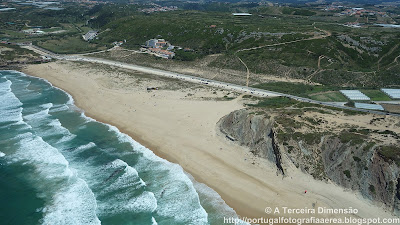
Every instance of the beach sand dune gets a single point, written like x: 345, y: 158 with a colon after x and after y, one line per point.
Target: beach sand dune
x: 178, y: 122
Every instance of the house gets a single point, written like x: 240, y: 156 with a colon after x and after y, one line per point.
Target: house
x: 159, y: 47
x: 118, y: 43
x: 156, y: 43
x: 33, y: 31
x: 162, y: 53
x: 90, y: 35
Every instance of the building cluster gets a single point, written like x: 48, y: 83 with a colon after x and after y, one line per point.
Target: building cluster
x: 159, y: 47
x: 90, y: 35
x: 352, y: 24
x: 353, y: 11
x: 333, y: 7
x: 119, y: 43
x: 360, y: 12
x: 50, y: 5
x: 33, y: 31
x: 159, y: 9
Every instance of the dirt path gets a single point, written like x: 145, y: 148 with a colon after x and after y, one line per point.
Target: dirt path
x: 388, y: 53
x: 327, y: 34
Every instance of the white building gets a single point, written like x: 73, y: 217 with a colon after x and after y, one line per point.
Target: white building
x: 90, y: 35
x: 156, y: 43
x: 241, y: 14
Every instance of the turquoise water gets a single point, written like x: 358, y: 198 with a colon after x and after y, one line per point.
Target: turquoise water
x: 58, y: 166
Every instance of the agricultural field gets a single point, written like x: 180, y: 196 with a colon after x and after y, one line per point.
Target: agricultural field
x: 376, y: 95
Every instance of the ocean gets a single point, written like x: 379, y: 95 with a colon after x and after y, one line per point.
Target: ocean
x: 58, y: 167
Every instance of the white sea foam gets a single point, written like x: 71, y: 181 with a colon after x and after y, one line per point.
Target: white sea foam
x: 125, y: 203
x: 173, y: 188
x: 153, y: 221
x: 16, y: 72
x: 46, y: 105
x: 72, y: 205
x: 70, y: 99
x: 34, y: 149
x: 41, y: 114
x: 59, y: 108
x: 10, y: 109
x: 130, y: 177
x: 123, y: 186
x: 210, y: 199
x: 2, y: 154
x: 178, y: 184
x: 87, y: 146
x: 57, y: 128
x: 146, y: 202
x: 42, y: 117
x: 68, y: 198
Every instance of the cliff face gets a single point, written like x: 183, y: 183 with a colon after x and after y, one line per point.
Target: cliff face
x: 360, y: 167
x: 347, y: 159
x: 253, y: 131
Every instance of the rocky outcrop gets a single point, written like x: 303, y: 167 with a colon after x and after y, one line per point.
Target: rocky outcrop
x: 253, y: 131
x: 360, y: 167
x: 351, y: 162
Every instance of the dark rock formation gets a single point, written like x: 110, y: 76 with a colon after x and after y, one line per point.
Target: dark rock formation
x: 353, y: 164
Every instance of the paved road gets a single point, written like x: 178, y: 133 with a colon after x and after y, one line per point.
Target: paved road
x: 199, y: 80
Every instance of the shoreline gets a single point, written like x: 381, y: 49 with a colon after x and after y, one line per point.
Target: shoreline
x: 195, y: 144
x: 155, y: 149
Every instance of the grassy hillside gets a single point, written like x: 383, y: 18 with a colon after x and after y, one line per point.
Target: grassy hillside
x: 323, y: 51
x: 302, y: 42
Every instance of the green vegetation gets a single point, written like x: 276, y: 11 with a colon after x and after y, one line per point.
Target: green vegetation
x: 390, y: 186
x: 299, y: 89
x: 369, y: 146
x: 310, y: 138
x: 324, y: 93
x: 390, y: 153
x: 186, y: 55
x: 350, y: 103
x: 347, y: 173
x: 350, y: 56
x: 372, y: 188
x: 68, y: 45
x: 276, y: 102
x: 353, y: 138
x: 297, y: 11
x: 376, y: 95
x: 299, y: 41
x: 331, y: 96
x: 357, y: 159
x: 13, y: 52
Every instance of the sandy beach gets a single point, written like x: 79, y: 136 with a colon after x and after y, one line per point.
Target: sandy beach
x: 178, y: 122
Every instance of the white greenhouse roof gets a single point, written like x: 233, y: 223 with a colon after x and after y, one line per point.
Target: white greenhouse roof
x: 393, y: 93
x: 355, y: 95
x: 368, y: 106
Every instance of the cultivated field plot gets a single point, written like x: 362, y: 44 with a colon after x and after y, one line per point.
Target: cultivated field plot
x: 355, y: 95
